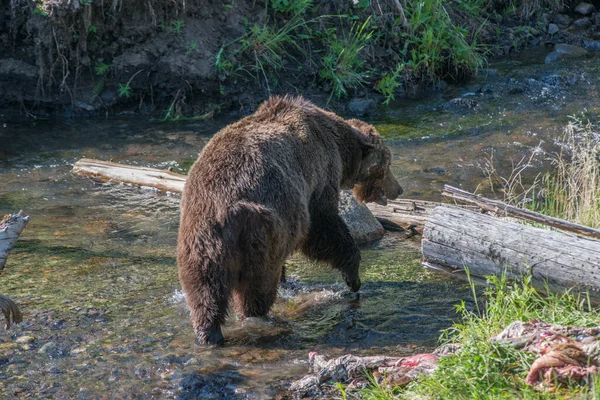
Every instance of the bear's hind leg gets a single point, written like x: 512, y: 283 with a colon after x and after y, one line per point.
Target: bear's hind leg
x: 208, y: 302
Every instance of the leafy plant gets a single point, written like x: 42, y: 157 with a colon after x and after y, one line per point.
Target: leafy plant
x: 436, y: 48
x: 177, y: 27
x: 93, y: 29
x: 389, y: 83
x: 125, y: 89
x: 342, y: 66
x: 101, y: 69
x: 191, y: 46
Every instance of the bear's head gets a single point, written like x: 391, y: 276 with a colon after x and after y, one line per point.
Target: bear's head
x: 374, y: 182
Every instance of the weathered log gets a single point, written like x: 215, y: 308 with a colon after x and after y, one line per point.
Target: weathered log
x: 505, y: 210
x: 455, y: 238
x: 106, y: 171
x: 406, y: 213
x: 11, y: 227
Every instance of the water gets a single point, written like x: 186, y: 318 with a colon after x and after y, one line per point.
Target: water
x: 95, y: 271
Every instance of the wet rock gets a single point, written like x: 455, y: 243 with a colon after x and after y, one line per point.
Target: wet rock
x: 460, y: 104
x: 582, y: 23
x: 363, y: 226
x: 554, y: 57
x: 584, y: 8
x: 25, y: 339
x: 196, y: 386
x: 553, y: 29
x: 562, y: 20
x: 592, y: 45
x: 565, y: 51
x: 49, y: 349
x: 361, y: 106
x: 571, y: 50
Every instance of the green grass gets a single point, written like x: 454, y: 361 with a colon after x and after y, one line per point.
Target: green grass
x: 484, y: 370
x: 342, y: 64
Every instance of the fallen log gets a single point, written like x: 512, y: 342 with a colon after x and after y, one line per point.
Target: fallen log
x: 11, y: 227
x: 505, y: 210
x: 106, y: 171
x: 454, y: 239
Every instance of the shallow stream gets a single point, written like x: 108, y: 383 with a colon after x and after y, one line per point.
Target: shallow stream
x: 95, y: 271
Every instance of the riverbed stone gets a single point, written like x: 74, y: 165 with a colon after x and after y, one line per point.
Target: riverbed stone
x: 570, y: 50
x: 25, y: 339
x: 584, y: 8
x: 553, y: 29
x: 562, y: 20
x: 363, y: 226
x: 50, y: 349
x: 582, y: 23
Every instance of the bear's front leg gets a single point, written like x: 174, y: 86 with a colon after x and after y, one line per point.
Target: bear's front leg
x: 329, y: 240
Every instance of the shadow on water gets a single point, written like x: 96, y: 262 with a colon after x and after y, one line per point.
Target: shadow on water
x: 95, y: 271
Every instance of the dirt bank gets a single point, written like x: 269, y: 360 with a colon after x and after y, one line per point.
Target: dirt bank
x: 198, y: 57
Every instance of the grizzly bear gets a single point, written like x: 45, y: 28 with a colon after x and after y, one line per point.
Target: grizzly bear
x: 264, y: 187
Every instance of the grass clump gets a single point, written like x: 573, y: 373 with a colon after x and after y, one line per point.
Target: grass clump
x: 572, y: 189
x: 343, y: 67
x: 485, y: 370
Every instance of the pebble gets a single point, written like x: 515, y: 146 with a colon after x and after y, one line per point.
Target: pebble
x: 584, y: 8
x: 25, y: 339
x: 552, y: 29
x: 47, y: 348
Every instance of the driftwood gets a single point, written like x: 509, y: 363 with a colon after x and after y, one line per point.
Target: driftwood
x: 106, y: 171
x: 505, y: 210
x: 455, y: 238
x: 11, y: 227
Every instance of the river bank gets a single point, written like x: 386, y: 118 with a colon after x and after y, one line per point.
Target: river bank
x: 195, y: 59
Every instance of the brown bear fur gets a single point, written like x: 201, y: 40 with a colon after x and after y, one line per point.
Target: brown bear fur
x: 263, y: 187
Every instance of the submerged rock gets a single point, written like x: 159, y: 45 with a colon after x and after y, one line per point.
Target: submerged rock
x: 360, y: 106
x: 565, y: 51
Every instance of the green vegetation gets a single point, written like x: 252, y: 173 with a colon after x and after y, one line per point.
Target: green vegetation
x: 572, y: 189
x: 343, y: 68
x: 484, y: 370
x: 125, y: 89
x: 101, y: 70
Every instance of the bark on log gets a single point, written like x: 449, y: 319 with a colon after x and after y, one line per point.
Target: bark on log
x: 455, y: 238
x: 407, y: 213
x: 504, y: 210
x: 11, y: 227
